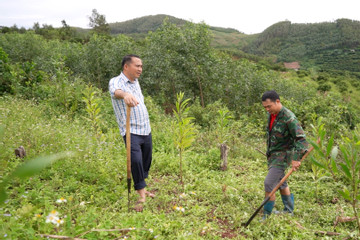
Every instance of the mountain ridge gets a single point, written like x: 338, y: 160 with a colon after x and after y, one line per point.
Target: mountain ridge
x: 329, y: 45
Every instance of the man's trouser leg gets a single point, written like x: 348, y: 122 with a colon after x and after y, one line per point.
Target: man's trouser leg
x: 273, y: 177
x: 137, y: 161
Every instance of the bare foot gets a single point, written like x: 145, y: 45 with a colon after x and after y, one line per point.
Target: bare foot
x: 139, y: 206
x: 149, y: 194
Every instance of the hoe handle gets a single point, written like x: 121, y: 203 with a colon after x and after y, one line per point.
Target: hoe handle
x: 128, y: 147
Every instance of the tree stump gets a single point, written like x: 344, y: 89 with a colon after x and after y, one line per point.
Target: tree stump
x: 224, y: 150
x: 20, y: 152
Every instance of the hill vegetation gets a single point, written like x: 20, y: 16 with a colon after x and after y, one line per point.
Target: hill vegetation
x: 143, y: 24
x: 334, y: 45
x: 326, y: 46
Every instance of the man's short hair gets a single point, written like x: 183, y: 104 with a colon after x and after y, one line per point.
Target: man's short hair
x: 127, y: 59
x: 272, y: 95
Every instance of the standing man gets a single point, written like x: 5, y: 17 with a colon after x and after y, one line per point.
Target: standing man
x: 125, y: 90
x: 286, y: 144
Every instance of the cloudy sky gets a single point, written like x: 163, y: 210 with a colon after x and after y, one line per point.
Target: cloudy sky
x: 248, y: 16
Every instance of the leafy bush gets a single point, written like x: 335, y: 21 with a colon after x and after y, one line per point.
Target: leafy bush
x: 204, y: 116
x: 5, y: 73
x: 23, y: 47
x: 27, y: 79
x: 324, y: 87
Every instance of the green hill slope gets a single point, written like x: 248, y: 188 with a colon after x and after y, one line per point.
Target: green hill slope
x: 227, y: 38
x: 143, y: 24
x: 328, y: 45
x: 224, y: 38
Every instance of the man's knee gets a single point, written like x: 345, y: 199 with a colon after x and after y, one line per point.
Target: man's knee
x: 285, y: 190
x: 136, y: 161
x: 268, y: 185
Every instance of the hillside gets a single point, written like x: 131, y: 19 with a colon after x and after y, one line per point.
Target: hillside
x: 224, y: 38
x: 321, y: 46
x: 229, y: 38
x: 328, y: 45
x: 143, y: 24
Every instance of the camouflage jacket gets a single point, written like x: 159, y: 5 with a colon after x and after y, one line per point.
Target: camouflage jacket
x: 286, y: 140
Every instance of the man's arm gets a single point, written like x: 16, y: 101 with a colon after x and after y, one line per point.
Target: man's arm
x: 300, y: 143
x: 129, y: 99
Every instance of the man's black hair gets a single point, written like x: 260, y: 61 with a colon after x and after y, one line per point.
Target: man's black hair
x: 272, y: 95
x: 127, y: 59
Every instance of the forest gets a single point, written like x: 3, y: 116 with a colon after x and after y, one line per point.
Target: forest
x: 328, y: 45
x: 54, y: 102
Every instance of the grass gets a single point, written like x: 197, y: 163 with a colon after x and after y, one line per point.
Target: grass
x: 93, y: 183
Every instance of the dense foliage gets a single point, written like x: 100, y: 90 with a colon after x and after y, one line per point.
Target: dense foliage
x: 332, y: 45
x: 175, y: 59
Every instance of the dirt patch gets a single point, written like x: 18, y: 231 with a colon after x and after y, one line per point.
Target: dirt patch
x: 227, y: 228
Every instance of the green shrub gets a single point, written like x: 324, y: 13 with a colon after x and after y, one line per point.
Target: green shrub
x: 5, y: 73
x: 324, y: 87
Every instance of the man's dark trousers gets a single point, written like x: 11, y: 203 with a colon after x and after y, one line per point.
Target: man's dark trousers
x: 141, y: 158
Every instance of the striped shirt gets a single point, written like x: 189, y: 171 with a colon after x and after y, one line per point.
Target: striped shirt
x: 139, y: 117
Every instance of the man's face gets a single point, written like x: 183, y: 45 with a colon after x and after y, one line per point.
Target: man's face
x: 272, y: 107
x: 133, y: 70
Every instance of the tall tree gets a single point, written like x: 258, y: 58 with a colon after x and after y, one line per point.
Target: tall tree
x: 36, y: 27
x: 98, y: 23
x: 66, y: 32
